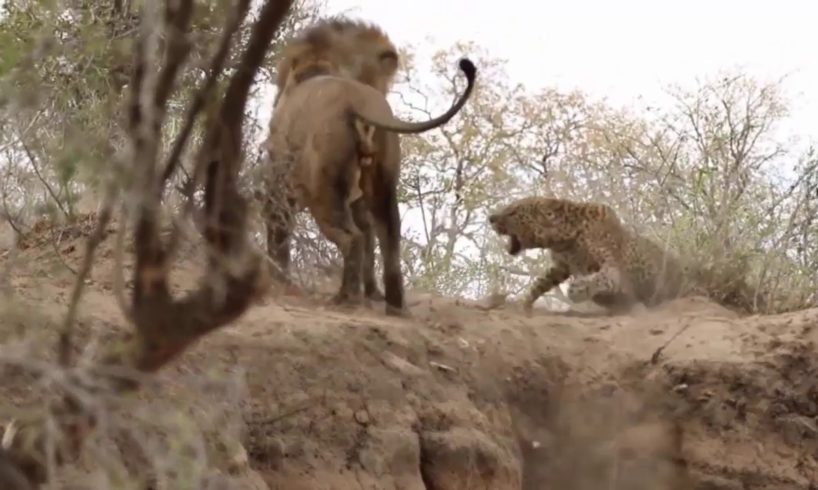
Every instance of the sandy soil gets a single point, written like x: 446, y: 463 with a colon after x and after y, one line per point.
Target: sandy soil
x: 686, y: 396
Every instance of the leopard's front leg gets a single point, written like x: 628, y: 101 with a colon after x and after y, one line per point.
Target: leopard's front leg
x: 554, y: 276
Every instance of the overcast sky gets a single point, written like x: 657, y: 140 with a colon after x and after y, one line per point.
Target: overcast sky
x: 621, y: 49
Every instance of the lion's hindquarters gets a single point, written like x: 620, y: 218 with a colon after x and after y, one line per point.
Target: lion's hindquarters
x: 328, y: 167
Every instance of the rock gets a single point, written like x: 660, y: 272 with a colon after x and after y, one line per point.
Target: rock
x: 392, y: 457
x: 467, y: 458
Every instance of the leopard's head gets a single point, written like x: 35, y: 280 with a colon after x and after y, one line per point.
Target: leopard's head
x: 536, y: 222
x: 515, y: 221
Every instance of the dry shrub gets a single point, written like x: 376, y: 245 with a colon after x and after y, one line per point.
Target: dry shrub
x: 182, y: 433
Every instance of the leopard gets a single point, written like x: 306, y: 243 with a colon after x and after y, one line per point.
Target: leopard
x: 334, y: 149
x: 609, y: 264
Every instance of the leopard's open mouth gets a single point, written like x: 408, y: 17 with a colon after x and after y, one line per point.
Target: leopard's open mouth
x: 514, y: 245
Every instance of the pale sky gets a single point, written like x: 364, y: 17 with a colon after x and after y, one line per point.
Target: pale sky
x: 620, y: 49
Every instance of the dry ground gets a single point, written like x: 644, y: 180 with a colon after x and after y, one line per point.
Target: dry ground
x: 457, y: 397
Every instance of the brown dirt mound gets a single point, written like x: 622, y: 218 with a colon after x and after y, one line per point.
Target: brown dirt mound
x: 686, y: 396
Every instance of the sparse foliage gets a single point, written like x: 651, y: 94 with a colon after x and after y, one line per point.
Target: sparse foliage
x: 64, y: 67
x: 709, y: 175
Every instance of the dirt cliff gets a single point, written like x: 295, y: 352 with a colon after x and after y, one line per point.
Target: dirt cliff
x: 301, y: 395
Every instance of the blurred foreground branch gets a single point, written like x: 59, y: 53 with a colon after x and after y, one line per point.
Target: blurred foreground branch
x: 164, y: 326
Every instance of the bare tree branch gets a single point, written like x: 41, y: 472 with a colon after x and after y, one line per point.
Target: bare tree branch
x: 164, y: 326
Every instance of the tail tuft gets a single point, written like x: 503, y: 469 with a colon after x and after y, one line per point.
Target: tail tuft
x: 468, y: 68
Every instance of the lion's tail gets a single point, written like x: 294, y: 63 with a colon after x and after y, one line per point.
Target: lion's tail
x: 398, y: 126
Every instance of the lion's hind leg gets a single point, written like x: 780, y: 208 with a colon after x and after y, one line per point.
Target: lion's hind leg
x: 334, y: 216
x: 363, y: 219
x: 349, y: 240
x: 387, y: 226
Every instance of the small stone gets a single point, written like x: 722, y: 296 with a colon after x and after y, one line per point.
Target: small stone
x: 239, y: 461
x: 362, y: 417
x: 442, y: 367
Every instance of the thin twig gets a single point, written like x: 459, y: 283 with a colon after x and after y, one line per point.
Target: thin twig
x: 55, y: 244
x: 196, y: 107
x: 215, y: 69
x: 5, y: 273
x: 25, y: 130
x: 119, y: 264
x: 42, y: 179
x: 64, y: 348
x: 655, y: 357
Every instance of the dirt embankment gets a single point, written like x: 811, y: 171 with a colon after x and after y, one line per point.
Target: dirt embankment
x: 687, y: 396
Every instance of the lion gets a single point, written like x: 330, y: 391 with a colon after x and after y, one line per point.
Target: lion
x: 334, y: 149
x: 610, y: 265
x: 341, y: 47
